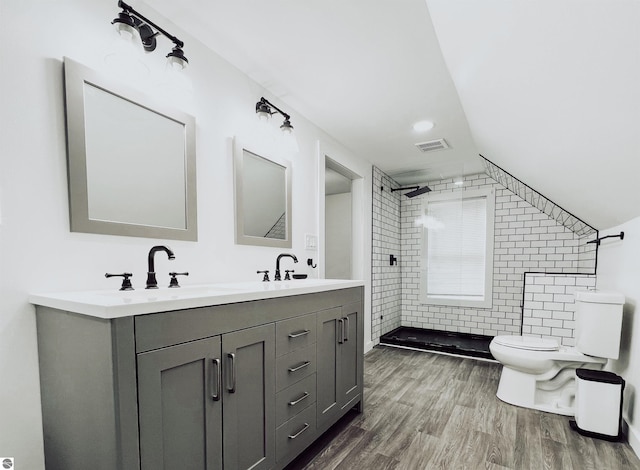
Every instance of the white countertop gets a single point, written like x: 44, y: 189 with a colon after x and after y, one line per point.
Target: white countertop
x: 109, y: 304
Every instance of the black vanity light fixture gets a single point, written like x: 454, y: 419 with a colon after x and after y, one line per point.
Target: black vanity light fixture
x: 264, y: 111
x: 131, y: 23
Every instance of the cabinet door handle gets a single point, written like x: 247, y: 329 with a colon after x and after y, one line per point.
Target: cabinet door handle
x: 232, y: 367
x: 216, y: 378
x: 341, y: 331
x: 304, y: 428
x: 346, y: 329
x: 295, y: 402
x: 298, y: 334
x: 301, y: 366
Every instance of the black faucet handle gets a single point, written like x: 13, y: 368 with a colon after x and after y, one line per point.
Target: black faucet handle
x: 126, y: 282
x: 265, y: 278
x: 174, y: 281
x: 286, y: 274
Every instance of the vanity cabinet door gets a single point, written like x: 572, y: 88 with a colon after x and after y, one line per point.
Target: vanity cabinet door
x: 339, y: 365
x: 249, y: 398
x: 350, y: 349
x: 180, y: 411
x: 328, y: 332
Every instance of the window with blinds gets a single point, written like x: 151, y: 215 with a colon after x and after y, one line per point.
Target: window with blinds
x: 457, y: 255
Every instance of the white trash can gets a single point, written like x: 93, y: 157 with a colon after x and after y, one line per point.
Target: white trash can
x: 598, y: 404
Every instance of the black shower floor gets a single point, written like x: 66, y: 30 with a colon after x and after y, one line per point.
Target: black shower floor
x: 464, y: 344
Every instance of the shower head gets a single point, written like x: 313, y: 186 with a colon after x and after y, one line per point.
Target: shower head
x: 417, y: 190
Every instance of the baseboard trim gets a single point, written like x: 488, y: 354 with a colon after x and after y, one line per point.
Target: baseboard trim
x: 633, y: 436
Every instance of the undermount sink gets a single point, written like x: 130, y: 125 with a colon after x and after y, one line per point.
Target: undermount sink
x: 165, y: 293
x: 272, y: 285
x: 141, y: 295
x: 208, y: 290
x: 116, y: 303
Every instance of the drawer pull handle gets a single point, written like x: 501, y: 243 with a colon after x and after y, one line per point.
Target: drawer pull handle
x: 304, y: 428
x: 298, y: 334
x: 217, y: 378
x: 295, y: 402
x: 232, y: 360
x: 301, y: 366
x: 346, y: 329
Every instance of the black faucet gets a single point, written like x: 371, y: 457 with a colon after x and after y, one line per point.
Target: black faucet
x: 152, y: 283
x: 277, y: 277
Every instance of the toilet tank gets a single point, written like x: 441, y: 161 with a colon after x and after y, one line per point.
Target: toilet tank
x: 599, y: 323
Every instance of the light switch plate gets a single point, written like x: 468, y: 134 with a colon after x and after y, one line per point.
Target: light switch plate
x: 310, y: 242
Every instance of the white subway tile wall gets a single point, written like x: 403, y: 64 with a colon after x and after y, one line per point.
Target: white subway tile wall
x: 526, y: 241
x: 386, y: 282
x: 549, y: 305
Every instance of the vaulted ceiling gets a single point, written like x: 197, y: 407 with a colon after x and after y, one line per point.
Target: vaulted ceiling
x: 548, y: 90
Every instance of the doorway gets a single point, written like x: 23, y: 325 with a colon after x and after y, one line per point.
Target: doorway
x: 339, y: 221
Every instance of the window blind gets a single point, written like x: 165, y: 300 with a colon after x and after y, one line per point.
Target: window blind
x: 456, y: 248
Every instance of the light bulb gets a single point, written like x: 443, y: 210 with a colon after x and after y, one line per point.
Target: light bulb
x: 176, y: 63
x: 286, y: 127
x: 263, y: 115
x: 125, y: 27
x: 176, y: 58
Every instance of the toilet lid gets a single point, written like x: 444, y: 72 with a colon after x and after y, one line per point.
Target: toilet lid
x: 532, y: 343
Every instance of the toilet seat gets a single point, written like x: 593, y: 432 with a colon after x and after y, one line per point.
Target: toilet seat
x: 535, y: 360
x: 529, y: 343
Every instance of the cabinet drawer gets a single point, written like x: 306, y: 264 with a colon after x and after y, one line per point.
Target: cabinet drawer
x: 296, y: 434
x: 295, y: 366
x: 294, y: 399
x: 295, y: 333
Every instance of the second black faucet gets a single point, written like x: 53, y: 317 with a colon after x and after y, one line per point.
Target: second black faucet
x: 277, y: 277
x: 152, y: 283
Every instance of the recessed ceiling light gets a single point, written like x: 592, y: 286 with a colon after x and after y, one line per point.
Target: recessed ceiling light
x: 422, y: 126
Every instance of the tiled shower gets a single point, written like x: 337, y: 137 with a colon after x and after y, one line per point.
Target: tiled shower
x: 538, y: 264
x: 386, y: 279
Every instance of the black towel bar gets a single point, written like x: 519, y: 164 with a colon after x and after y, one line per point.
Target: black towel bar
x: 598, y: 240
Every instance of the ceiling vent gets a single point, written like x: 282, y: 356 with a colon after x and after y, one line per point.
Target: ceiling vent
x: 432, y: 145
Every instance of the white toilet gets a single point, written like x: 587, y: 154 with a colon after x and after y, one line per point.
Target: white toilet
x: 540, y: 374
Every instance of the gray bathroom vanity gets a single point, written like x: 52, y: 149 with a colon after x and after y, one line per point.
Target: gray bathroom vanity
x: 233, y: 376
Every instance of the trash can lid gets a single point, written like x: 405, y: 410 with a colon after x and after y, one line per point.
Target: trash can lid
x: 599, y: 376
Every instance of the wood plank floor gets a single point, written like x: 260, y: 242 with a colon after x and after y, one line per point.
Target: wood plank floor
x: 431, y: 411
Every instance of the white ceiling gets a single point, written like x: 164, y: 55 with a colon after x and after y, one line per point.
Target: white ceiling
x: 549, y: 90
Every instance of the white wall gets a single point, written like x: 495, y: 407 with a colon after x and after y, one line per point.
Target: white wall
x: 38, y: 253
x: 619, y: 270
x: 338, y: 236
